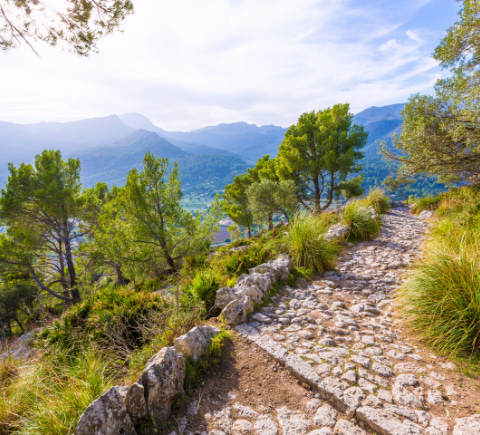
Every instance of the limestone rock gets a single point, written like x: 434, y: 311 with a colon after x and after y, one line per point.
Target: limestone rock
x: 265, y: 426
x: 195, y: 343
x: 162, y: 380
x: 467, y: 425
x: 325, y: 416
x: 405, y: 397
x: 242, y: 427
x: 238, y: 311
x: 425, y: 215
x: 107, y: 415
x: 385, y: 424
x: 223, y: 297
x: 337, y: 232
x: 344, y: 427
x: 135, y: 401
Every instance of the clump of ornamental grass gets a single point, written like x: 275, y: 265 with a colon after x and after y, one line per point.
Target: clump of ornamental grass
x: 359, y: 218
x: 307, y: 245
x: 378, y: 200
x: 441, y: 299
x: 426, y: 203
x: 49, y: 396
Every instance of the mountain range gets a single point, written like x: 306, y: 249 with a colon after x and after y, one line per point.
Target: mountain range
x: 208, y: 158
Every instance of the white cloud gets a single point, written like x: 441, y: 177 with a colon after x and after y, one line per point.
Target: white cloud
x: 186, y: 64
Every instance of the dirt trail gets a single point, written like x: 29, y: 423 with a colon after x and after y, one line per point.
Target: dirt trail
x: 330, y: 358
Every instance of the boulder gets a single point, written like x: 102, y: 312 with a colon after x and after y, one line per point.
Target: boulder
x: 162, y: 380
x: 223, y: 297
x: 279, y: 268
x: 337, y: 232
x: 238, y: 311
x: 263, y: 281
x: 195, y: 343
x: 425, y: 215
x: 467, y: 425
x: 135, y: 402
x: 107, y: 415
x: 251, y: 291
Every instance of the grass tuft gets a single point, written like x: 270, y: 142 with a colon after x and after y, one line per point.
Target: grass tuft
x: 307, y: 245
x: 378, y: 199
x: 441, y: 298
x: 359, y: 217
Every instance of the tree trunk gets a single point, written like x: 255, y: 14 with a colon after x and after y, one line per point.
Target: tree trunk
x: 20, y: 325
x: 120, y: 277
x: 249, y: 232
x: 71, y: 271
x: 270, y: 223
x: 316, y: 195
x: 330, y: 193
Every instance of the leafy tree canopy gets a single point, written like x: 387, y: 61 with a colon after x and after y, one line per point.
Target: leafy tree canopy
x: 319, y: 152
x: 77, y: 23
x: 440, y: 135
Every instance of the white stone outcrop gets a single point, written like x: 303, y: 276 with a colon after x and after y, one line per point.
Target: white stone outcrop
x: 237, y: 302
x: 238, y: 311
x: 425, y: 215
x: 338, y: 232
x: 195, y: 342
x: 107, y: 415
x: 162, y: 380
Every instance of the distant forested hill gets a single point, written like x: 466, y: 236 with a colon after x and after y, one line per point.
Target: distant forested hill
x: 209, y: 157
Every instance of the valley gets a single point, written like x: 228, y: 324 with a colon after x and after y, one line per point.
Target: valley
x: 209, y: 158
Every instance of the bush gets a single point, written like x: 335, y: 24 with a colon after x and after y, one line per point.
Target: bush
x: 204, y: 287
x: 427, y: 203
x: 121, y: 320
x: 378, y: 200
x: 359, y: 219
x: 441, y: 299
x: 307, y: 245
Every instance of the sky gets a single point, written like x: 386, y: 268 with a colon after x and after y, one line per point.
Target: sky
x: 186, y: 64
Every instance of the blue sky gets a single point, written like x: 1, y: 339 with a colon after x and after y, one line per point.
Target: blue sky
x: 187, y: 64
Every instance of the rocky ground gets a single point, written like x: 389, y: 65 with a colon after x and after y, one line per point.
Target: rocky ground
x: 331, y: 358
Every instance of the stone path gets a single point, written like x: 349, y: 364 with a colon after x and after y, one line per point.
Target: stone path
x: 339, y: 336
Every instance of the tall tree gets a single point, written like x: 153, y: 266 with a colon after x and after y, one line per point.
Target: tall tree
x: 319, y: 152
x: 268, y: 197
x: 42, y: 208
x: 159, y: 223
x: 236, y: 204
x: 441, y: 134
x: 77, y: 23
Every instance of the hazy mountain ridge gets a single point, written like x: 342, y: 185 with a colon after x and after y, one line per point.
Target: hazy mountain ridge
x: 208, y: 157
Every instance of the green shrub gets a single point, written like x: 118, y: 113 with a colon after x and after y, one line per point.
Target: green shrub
x: 307, y: 245
x: 204, y: 287
x: 427, y: 203
x: 359, y: 219
x: 441, y: 298
x: 378, y: 200
x: 121, y: 320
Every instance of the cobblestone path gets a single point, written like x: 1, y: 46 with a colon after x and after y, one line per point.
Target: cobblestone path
x: 340, y: 336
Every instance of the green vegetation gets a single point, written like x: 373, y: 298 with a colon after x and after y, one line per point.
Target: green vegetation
x: 361, y: 219
x: 441, y: 299
x: 427, y: 203
x: 117, y: 273
x: 439, y: 135
x: 319, y: 152
x: 378, y: 200
x: 304, y: 238
x: 48, y: 397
